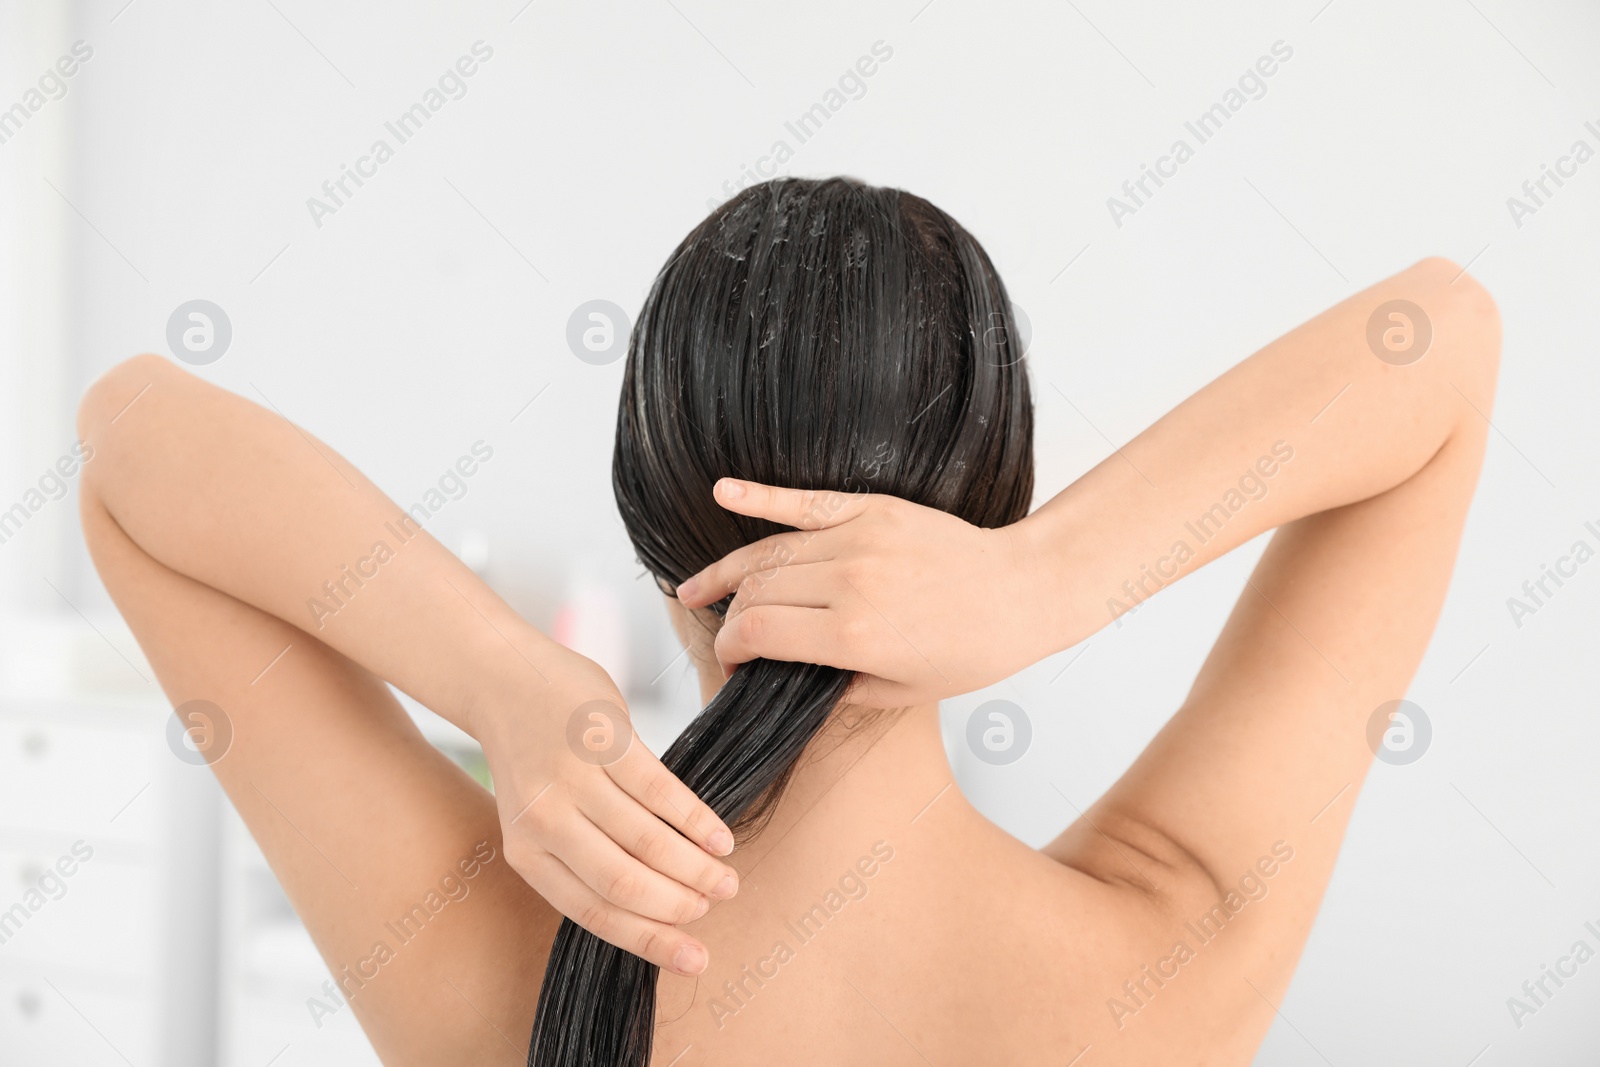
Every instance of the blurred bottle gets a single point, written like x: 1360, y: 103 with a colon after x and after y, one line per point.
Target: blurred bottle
x: 592, y: 621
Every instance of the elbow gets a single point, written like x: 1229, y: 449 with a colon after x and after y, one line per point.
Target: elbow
x: 1460, y: 295
x: 1467, y: 289
x: 105, y: 421
x: 114, y: 392
x: 1467, y: 322
x: 1476, y: 330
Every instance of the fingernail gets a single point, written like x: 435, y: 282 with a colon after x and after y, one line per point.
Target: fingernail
x: 701, y: 907
x: 686, y: 590
x: 720, y: 842
x: 731, y: 489
x: 726, y: 887
x: 690, y: 960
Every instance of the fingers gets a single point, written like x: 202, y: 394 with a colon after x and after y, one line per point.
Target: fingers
x: 784, y: 632
x: 800, y: 585
x: 663, y: 945
x: 620, y: 879
x: 646, y: 779
x: 811, y: 511
x: 804, y: 585
x: 804, y: 509
x: 660, y: 847
x: 761, y: 560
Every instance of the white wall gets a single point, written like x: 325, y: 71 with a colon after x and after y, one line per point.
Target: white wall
x: 422, y: 316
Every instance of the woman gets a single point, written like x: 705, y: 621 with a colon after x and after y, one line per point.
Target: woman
x: 848, y: 344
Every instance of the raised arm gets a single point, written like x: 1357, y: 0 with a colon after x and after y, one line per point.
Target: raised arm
x: 231, y: 495
x: 1312, y: 422
x: 1247, y: 791
x: 1365, y: 453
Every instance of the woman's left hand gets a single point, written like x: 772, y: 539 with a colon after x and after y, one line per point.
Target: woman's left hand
x: 881, y: 586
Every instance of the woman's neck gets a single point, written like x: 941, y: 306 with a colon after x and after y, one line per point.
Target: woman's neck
x: 865, y: 768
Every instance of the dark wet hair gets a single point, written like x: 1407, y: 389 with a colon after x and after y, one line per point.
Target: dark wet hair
x: 820, y: 334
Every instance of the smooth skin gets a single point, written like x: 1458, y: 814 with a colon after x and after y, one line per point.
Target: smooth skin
x: 212, y: 520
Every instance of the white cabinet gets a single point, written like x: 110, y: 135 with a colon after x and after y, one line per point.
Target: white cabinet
x: 81, y: 970
x: 50, y: 1018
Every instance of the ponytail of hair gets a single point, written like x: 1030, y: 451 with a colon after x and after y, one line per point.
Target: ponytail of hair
x: 807, y: 333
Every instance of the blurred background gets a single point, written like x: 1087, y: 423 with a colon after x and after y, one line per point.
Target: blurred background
x: 176, y: 177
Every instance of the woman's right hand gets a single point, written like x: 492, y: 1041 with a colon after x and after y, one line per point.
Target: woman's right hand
x: 619, y: 845
x: 594, y: 822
